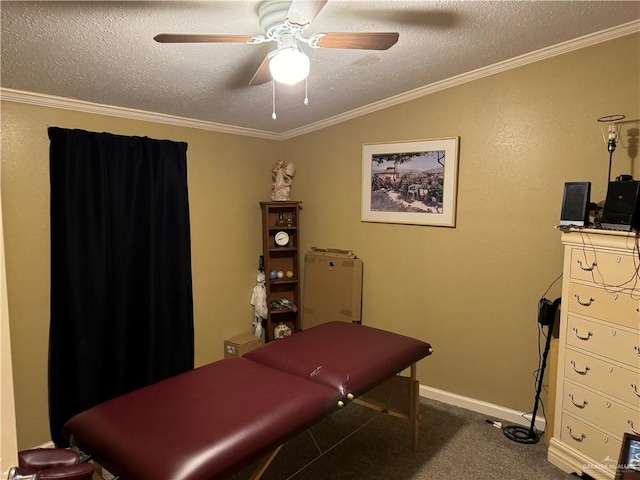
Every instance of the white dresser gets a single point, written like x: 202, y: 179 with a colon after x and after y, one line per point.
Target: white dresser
x: 598, y: 377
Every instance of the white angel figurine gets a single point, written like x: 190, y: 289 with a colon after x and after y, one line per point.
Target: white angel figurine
x: 282, y: 174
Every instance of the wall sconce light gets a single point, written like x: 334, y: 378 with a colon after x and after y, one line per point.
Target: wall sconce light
x: 611, y: 136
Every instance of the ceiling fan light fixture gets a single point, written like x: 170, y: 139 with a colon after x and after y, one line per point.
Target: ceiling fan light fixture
x: 289, y: 65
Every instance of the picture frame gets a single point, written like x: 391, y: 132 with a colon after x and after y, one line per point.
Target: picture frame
x: 628, y: 467
x: 413, y: 182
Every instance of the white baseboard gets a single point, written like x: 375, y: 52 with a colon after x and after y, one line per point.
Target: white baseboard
x: 492, y: 411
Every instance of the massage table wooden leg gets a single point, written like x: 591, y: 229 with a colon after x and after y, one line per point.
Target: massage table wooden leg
x: 264, y: 464
x: 399, y: 397
x: 414, y: 396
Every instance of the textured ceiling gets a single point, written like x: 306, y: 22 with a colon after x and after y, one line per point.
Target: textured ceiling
x: 104, y: 52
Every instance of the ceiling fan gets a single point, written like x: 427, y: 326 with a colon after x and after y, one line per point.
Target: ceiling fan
x: 284, y: 22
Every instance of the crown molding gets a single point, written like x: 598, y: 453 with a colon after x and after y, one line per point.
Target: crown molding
x: 31, y: 98
x: 19, y: 96
x: 536, y: 56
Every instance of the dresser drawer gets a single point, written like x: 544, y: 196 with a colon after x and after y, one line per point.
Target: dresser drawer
x: 604, y: 268
x: 601, y: 447
x: 604, y: 412
x: 615, y: 307
x: 608, y: 341
x: 618, y: 382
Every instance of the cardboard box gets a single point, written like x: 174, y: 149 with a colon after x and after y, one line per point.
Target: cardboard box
x: 241, y: 344
x: 332, y: 287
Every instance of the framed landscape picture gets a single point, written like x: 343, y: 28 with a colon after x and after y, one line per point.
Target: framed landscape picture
x: 411, y: 182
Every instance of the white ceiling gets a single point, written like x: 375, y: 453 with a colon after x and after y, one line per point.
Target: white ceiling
x: 104, y: 52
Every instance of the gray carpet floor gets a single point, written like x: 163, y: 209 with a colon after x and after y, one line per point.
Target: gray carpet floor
x: 454, y: 444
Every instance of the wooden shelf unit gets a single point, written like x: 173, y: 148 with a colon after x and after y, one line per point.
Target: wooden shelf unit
x: 284, y: 259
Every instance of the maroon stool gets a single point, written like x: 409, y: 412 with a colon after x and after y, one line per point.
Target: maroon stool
x: 53, y: 464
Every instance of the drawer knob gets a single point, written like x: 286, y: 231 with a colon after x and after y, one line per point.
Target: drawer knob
x: 583, y: 303
x: 585, y: 338
x: 579, y: 405
x: 577, y: 439
x: 635, y: 389
x: 580, y: 372
x: 630, y: 422
x: 585, y: 268
x: 637, y: 349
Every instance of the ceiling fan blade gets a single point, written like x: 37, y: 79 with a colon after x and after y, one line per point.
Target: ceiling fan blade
x: 302, y: 12
x: 200, y: 38
x: 263, y: 74
x: 359, y: 40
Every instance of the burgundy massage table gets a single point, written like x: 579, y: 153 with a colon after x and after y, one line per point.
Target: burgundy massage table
x: 211, y: 422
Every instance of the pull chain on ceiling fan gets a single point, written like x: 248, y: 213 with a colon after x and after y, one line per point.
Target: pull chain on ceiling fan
x: 284, y: 22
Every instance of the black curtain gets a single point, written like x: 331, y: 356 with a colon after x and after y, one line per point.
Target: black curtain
x: 121, y: 296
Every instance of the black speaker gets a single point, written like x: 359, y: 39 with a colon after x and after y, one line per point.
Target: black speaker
x: 575, y: 204
x: 622, y: 206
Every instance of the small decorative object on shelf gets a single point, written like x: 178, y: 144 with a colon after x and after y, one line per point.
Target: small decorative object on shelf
x: 281, y: 221
x: 281, y: 330
x: 283, y: 303
x: 282, y: 174
x: 280, y: 243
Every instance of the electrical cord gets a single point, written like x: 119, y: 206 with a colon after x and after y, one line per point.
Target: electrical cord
x: 551, y: 285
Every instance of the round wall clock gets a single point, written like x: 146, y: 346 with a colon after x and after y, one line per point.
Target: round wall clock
x: 281, y: 238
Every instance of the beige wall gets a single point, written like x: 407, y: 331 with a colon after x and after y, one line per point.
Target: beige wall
x: 471, y: 291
